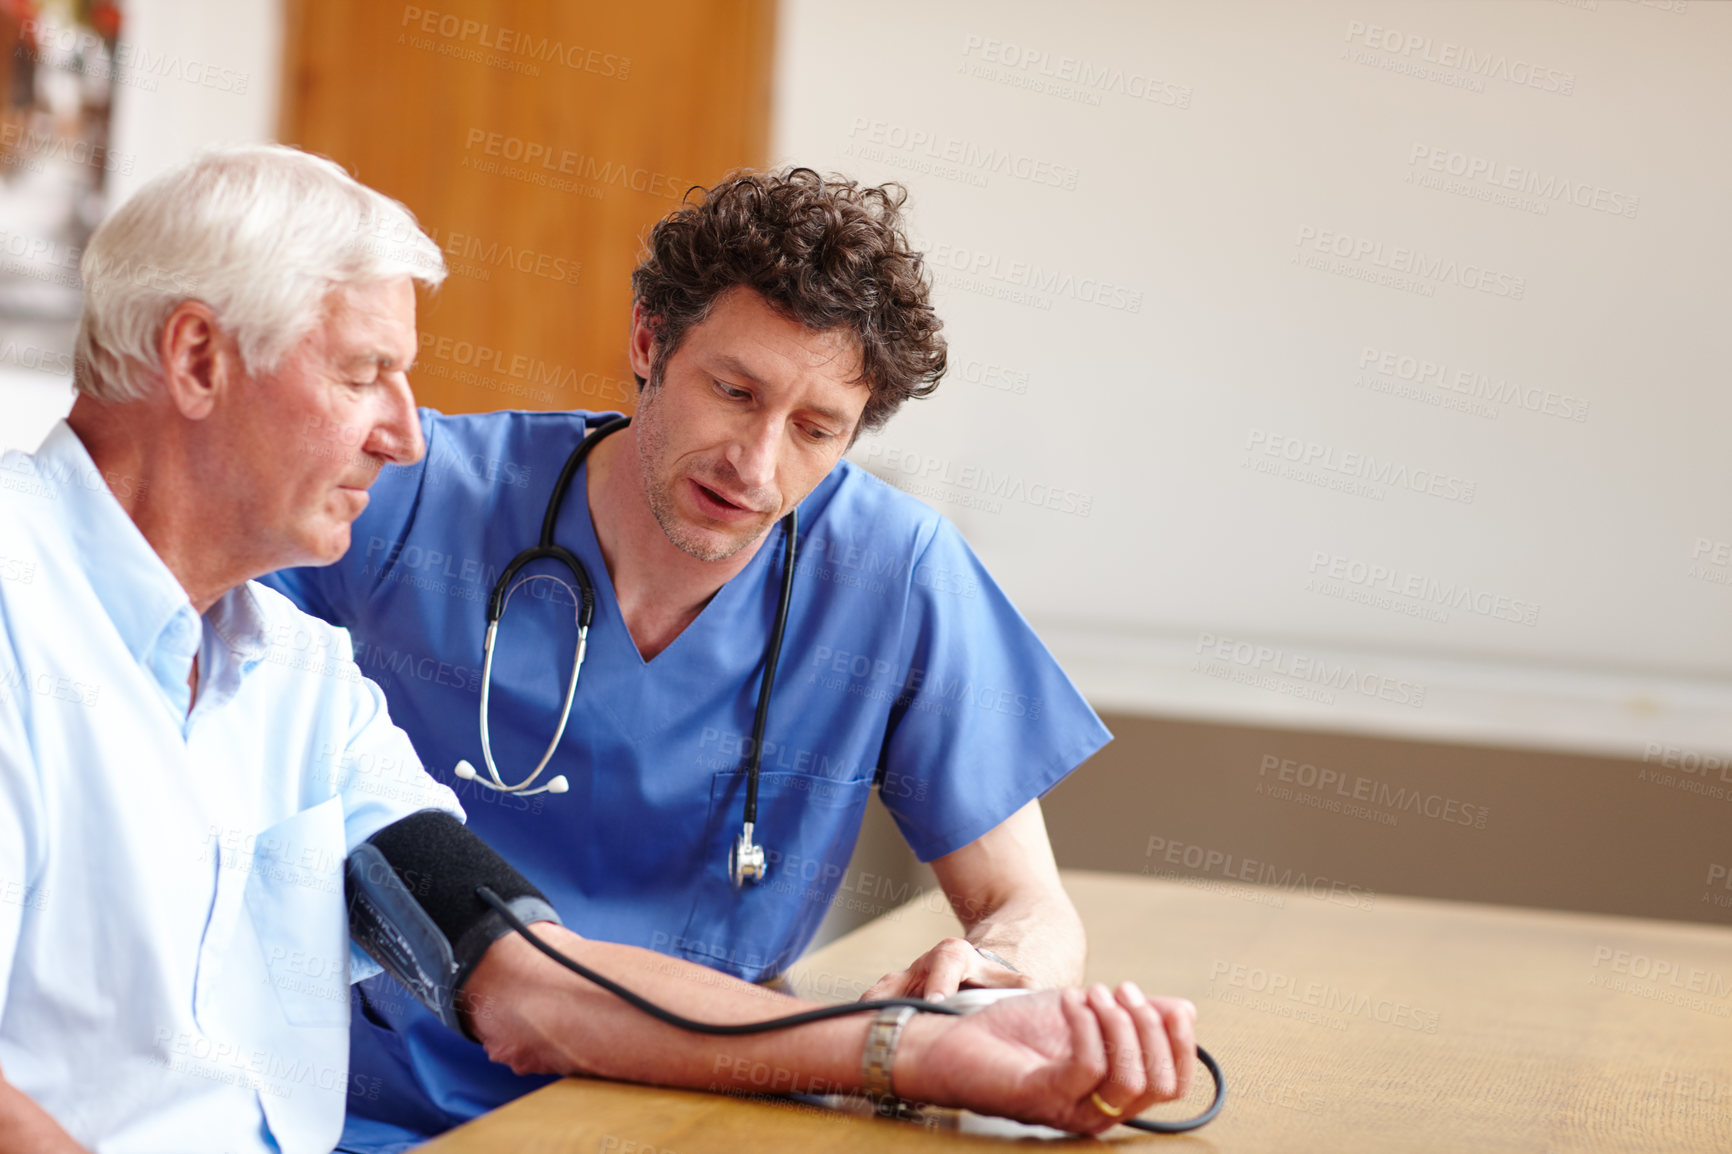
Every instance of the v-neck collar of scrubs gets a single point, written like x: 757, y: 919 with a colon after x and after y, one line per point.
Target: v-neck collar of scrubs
x: 719, y: 604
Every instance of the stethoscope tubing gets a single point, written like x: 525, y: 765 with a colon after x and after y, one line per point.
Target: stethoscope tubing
x: 499, y: 597
x: 772, y: 657
x: 546, y: 548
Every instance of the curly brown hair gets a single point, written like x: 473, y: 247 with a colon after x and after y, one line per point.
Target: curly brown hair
x: 824, y: 252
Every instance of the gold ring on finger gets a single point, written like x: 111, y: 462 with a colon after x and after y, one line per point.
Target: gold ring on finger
x: 1104, y: 1108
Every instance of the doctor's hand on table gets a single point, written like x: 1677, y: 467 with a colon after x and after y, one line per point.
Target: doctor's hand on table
x: 1022, y: 930
x: 1051, y: 1058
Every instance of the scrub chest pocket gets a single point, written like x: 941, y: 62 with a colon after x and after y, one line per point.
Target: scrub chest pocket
x: 807, y: 824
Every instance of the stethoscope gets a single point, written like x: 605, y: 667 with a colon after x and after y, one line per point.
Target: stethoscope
x: 745, y: 859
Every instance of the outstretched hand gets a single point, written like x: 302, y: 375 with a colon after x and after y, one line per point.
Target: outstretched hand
x: 1044, y: 1058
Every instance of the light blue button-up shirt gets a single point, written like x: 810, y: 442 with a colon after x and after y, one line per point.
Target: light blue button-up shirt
x: 174, y: 953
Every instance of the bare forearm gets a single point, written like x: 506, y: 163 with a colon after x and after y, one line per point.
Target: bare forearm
x: 536, y: 1016
x: 1041, y: 1059
x: 1005, y: 888
x: 26, y: 1128
x: 1039, y: 933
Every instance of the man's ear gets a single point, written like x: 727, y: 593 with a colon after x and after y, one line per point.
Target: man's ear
x: 643, y: 339
x: 199, y: 360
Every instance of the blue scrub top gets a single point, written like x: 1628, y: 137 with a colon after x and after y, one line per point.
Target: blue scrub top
x: 903, y: 666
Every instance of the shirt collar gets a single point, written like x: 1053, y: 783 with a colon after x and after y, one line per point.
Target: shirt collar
x: 239, y: 621
x: 137, y: 590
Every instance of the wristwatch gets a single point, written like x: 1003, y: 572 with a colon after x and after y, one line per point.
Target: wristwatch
x: 880, y: 1053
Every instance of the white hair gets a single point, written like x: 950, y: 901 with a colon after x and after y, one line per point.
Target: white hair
x: 261, y: 234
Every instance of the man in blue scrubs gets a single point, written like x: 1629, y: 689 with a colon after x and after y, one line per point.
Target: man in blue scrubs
x: 772, y: 324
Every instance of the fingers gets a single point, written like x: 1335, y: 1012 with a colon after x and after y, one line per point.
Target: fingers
x: 1130, y: 1066
x: 1166, y: 1030
x: 949, y: 964
x: 1087, y: 1060
x: 946, y: 968
x: 1117, y: 1054
x: 1180, y: 1018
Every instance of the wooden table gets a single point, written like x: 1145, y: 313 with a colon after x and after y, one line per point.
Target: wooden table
x: 1343, y: 1021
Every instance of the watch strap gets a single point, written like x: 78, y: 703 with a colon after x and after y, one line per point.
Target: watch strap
x: 879, y: 1058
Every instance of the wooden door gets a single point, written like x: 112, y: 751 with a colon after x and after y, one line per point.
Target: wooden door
x: 536, y: 142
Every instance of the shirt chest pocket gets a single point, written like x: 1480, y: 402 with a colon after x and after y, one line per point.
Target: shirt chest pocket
x: 807, y: 824
x: 294, y: 898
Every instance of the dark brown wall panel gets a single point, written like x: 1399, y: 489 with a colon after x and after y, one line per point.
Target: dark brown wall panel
x: 1519, y: 827
x: 1342, y: 818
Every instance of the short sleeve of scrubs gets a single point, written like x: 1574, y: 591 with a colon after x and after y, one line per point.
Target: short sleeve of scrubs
x: 985, y: 719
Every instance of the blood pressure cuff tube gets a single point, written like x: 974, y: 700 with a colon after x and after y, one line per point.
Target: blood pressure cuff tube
x: 413, y: 908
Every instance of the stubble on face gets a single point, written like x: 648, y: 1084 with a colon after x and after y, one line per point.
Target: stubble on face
x: 659, y: 482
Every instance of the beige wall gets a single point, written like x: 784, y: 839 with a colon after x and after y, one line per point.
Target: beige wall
x: 1337, y: 382
x: 1377, y: 336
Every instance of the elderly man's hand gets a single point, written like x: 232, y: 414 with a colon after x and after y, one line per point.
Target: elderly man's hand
x: 953, y: 964
x: 1041, y: 1058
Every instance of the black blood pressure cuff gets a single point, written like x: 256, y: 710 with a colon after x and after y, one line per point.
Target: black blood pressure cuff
x: 413, y: 908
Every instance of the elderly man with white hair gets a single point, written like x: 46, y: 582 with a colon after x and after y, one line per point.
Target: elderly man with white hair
x: 187, y: 762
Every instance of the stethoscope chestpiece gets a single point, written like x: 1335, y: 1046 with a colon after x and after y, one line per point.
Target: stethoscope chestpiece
x: 745, y: 860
